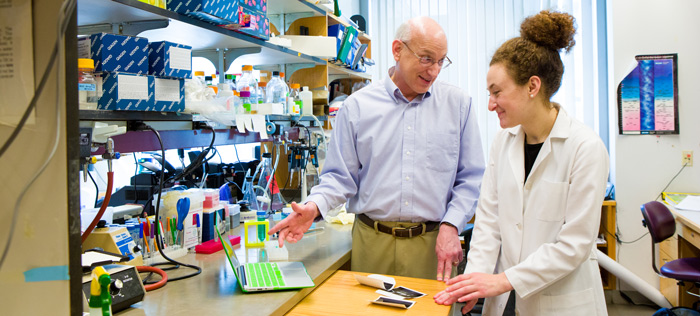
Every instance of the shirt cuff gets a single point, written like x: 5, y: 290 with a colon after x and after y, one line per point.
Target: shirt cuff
x: 320, y: 203
x: 456, y: 219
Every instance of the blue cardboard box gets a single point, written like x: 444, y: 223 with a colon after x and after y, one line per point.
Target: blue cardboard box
x: 213, y: 11
x: 256, y: 25
x: 124, y: 91
x: 119, y: 53
x: 208, y: 231
x: 168, y: 94
x: 231, y: 14
x: 168, y: 59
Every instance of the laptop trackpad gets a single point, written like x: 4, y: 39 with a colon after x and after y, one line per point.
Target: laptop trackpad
x: 295, y: 274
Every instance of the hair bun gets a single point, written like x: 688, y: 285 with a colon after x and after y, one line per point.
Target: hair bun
x: 550, y: 29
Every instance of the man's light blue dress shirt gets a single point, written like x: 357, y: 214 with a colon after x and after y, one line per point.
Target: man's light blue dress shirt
x: 396, y: 160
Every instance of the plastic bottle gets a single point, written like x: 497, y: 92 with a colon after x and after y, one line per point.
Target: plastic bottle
x: 230, y: 81
x: 294, y: 101
x: 199, y: 75
x: 262, y: 216
x: 307, y: 106
x: 262, y: 92
x: 245, y: 102
x: 248, y: 83
x: 277, y: 89
x: 87, y: 85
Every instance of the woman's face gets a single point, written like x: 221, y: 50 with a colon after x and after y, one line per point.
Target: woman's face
x: 506, y: 98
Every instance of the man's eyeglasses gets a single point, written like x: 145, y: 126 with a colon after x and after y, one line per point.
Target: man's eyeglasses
x: 428, y: 61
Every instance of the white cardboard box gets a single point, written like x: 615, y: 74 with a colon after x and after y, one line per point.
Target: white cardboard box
x: 319, y: 46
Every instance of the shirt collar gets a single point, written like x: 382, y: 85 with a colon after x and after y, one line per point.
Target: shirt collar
x: 396, y: 94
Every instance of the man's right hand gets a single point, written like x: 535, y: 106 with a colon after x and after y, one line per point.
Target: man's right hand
x: 293, y: 227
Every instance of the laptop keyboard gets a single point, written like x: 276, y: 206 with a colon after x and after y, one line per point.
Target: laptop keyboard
x: 264, y: 274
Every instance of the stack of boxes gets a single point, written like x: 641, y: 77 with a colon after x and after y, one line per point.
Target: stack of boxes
x: 243, y: 16
x: 138, y: 75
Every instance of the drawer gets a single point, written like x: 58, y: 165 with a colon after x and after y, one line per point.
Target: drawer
x: 668, y: 287
x: 670, y: 246
x: 691, y: 236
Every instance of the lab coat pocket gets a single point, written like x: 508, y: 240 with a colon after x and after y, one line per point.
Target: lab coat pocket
x: 441, y: 152
x: 551, y: 207
x: 572, y: 304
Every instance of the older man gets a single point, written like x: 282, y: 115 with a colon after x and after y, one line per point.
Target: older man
x: 406, y: 156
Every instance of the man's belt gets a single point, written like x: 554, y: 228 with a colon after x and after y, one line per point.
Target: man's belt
x: 402, y: 232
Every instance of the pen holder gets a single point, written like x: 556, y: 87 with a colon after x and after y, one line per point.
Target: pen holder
x: 251, y: 229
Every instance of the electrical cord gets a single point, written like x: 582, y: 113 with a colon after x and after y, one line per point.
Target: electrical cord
x: 66, y: 7
x: 617, y: 235
x: 669, y: 183
x: 97, y: 189
x: 159, y: 240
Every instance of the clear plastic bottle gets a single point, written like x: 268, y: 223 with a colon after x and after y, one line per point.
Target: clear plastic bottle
x: 247, y: 83
x: 262, y: 92
x: 230, y: 80
x: 307, y: 106
x: 294, y: 101
x: 199, y: 75
x: 87, y: 85
x: 245, y: 103
x: 262, y: 216
x: 276, y: 89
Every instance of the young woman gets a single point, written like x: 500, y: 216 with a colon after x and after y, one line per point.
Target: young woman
x: 539, y: 211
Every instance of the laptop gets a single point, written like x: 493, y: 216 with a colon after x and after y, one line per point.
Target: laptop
x: 266, y: 276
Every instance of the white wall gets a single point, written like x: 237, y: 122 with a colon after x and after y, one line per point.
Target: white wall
x: 645, y: 164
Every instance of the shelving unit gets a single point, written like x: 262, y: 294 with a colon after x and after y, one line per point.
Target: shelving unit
x: 607, y: 228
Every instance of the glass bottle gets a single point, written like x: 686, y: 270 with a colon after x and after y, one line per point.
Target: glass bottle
x: 87, y: 85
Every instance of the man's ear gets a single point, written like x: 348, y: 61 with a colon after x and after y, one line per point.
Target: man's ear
x: 396, y: 47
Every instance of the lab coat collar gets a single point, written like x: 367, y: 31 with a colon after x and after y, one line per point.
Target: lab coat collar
x: 396, y: 94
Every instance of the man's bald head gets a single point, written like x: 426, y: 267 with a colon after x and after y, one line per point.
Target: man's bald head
x: 421, y: 27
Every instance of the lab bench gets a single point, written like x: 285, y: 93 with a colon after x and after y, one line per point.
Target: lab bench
x: 216, y: 291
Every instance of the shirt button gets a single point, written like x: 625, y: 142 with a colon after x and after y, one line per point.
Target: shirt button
x: 406, y: 203
x: 409, y: 128
x: 408, y: 178
x: 408, y: 152
x: 518, y: 225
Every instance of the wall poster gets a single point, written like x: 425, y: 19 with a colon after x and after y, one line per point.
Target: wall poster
x: 647, y: 98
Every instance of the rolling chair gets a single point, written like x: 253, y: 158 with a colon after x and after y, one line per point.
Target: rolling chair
x: 661, y: 224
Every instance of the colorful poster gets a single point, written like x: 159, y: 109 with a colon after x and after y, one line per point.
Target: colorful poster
x: 647, y: 98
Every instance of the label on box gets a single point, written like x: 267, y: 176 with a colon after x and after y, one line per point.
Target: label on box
x: 84, y: 47
x: 167, y: 90
x: 180, y: 58
x: 132, y: 87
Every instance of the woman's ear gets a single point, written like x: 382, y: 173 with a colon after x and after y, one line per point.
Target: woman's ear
x: 534, y: 85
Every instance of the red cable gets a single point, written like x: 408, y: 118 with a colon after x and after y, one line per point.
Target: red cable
x: 105, y: 203
x: 157, y: 285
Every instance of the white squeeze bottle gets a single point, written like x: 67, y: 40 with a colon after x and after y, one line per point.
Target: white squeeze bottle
x: 307, y: 106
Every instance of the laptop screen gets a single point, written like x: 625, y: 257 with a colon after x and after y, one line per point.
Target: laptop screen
x: 228, y: 249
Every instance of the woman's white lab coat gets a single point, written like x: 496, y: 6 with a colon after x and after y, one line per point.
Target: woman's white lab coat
x: 542, y: 231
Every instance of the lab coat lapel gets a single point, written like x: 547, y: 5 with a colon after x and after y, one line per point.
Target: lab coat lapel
x: 516, y: 155
x: 561, y: 129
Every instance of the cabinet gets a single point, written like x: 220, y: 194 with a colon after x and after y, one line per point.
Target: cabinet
x: 219, y: 45
x: 609, y: 244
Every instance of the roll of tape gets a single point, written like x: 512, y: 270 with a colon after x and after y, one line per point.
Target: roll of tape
x: 270, y: 127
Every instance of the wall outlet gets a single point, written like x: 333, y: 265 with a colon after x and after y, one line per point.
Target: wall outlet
x: 687, y: 158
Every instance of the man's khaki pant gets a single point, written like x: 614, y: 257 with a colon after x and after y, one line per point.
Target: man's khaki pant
x: 377, y: 252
